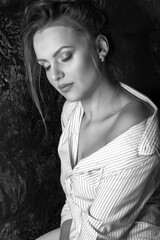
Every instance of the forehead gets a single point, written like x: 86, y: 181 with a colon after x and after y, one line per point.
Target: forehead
x: 55, y: 37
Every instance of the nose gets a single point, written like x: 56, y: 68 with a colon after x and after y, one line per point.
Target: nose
x: 57, y: 74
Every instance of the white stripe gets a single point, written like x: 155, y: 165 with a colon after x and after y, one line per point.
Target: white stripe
x: 108, y: 191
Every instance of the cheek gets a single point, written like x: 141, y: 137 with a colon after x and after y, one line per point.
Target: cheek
x: 88, y: 71
x: 82, y: 65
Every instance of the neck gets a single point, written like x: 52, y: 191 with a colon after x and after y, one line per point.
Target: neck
x: 102, y: 102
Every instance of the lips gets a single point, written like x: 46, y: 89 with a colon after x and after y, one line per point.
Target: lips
x: 65, y: 87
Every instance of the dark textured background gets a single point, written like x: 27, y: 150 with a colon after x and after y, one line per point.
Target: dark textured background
x: 31, y: 197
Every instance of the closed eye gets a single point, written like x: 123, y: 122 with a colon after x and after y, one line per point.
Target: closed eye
x: 47, y: 68
x: 65, y: 57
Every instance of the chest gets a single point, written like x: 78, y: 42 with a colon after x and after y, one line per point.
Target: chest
x: 93, y: 137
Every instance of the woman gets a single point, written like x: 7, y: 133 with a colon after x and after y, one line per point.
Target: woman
x: 109, y: 144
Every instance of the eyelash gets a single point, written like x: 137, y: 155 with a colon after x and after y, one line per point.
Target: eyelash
x: 47, y: 68
x: 63, y: 60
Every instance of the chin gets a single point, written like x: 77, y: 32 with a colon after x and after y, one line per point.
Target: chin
x: 72, y: 98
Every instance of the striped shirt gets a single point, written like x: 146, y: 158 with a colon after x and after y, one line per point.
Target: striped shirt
x: 114, y: 193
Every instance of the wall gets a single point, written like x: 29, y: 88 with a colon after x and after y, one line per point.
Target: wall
x: 31, y: 197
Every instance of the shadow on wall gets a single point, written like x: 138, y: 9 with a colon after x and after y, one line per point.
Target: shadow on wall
x: 31, y: 197
x: 135, y: 30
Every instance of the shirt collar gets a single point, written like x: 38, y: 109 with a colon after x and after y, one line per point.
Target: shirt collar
x: 150, y: 138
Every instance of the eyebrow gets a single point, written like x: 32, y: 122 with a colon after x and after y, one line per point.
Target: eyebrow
x: 55, y: 54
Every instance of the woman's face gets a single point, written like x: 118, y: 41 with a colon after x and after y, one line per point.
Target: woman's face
x: 66, y: 57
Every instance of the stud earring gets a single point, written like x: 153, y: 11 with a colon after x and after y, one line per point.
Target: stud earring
x: 102, y: 56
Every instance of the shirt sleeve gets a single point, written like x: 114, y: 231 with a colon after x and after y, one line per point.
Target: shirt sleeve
x: 65, y: 213
x: 67, y: 110
x: 119, y: 200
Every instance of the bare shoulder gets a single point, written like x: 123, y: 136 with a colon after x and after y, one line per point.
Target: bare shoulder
x: 132, y: 114
x: 135, y: 112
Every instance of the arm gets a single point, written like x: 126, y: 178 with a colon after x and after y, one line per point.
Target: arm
x: 119, y: 200
x: 65, y: 230
x: 65, y: 213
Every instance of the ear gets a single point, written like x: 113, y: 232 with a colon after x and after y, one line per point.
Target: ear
x: 102, y: 47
